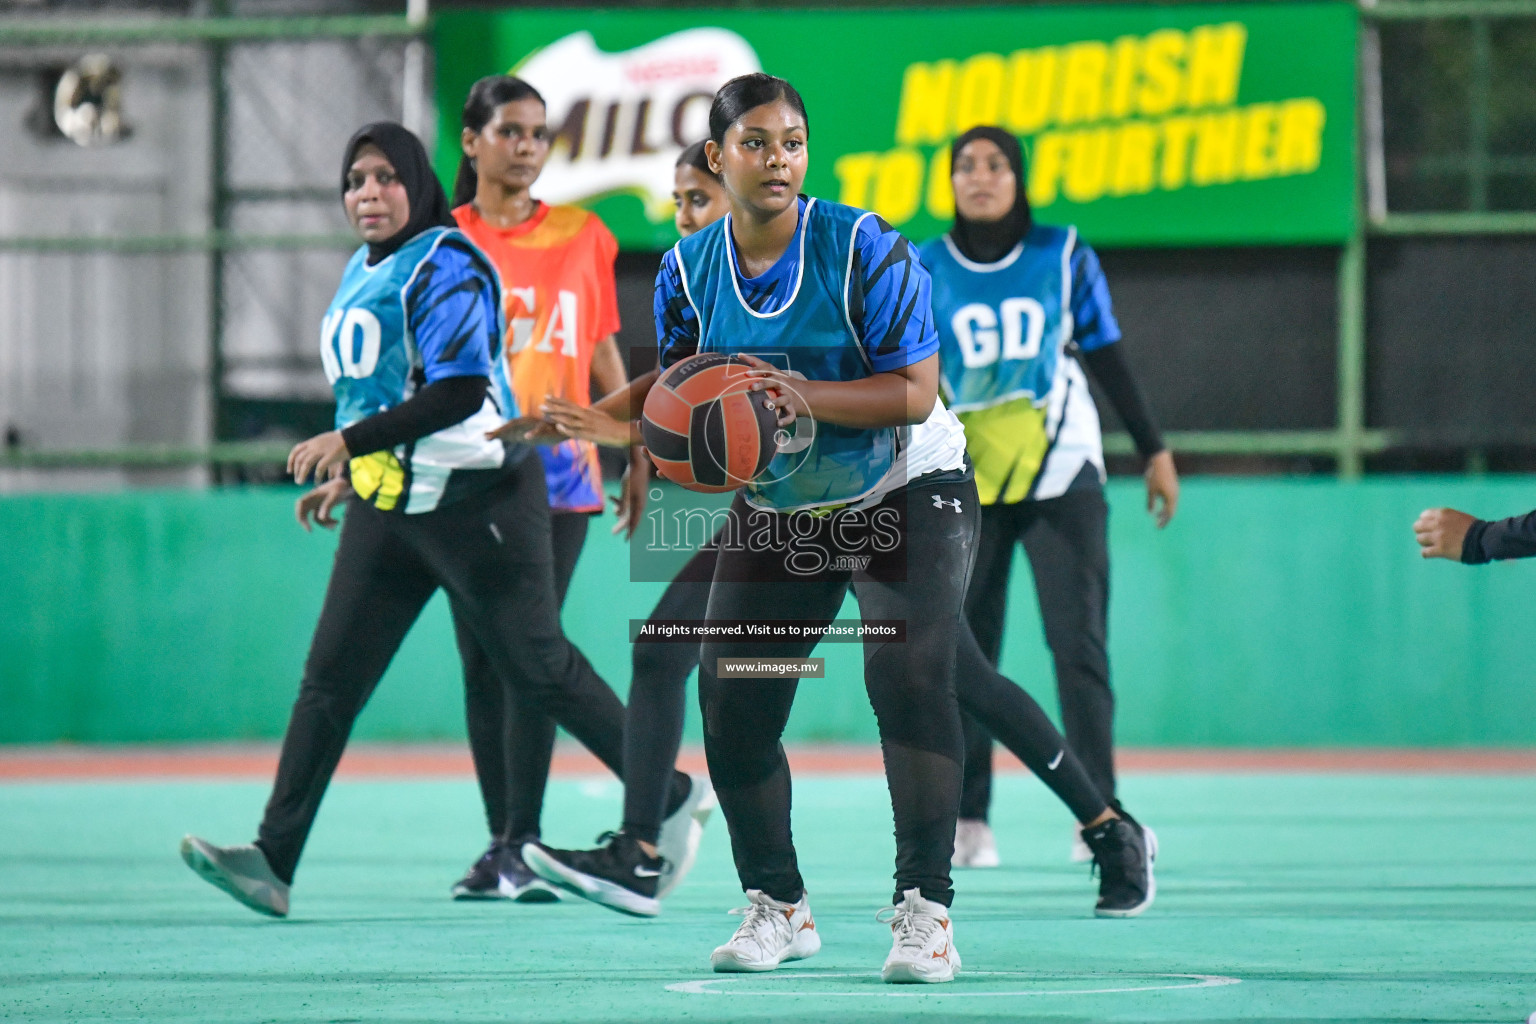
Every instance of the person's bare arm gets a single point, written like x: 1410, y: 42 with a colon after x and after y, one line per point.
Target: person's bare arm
x: 894, y: 398
x: 609, y: 375
x: 608, y: 367
x: 627, y: 402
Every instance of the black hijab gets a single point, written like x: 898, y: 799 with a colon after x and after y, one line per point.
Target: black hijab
x: 990, y: 241
x: 429, y: 204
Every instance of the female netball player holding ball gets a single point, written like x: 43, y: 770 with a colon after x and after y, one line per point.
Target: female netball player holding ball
x: 1018, y: 307
x: 606, y: 875
x: 556, y: 268
x: 842, y: 297
x: 435, y: 503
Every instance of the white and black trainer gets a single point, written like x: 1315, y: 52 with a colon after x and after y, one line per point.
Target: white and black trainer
x: 681, y: 831
x: 771, y: 933
x: 1080, y: 853
x: 500, y: 874
x: 617, y: 874
x: 241, y: 871
x: 1124, y: 854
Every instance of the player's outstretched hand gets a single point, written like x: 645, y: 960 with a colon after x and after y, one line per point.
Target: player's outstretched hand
x: 586, y: 423
x: 1162, y: 487
x: 527, y: 428
x: 320, y: 502
x: 317, y: 455
x: 1441, y: 531
x: 629, y: 503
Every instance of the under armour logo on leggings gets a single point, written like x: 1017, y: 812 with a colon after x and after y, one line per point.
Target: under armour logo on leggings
x: 939, y: 502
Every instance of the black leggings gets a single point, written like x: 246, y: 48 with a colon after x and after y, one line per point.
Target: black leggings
x: 1001, y: 708
x: 910, y: 685
x: 653, y: 715
x: 510, y: 742
x: 1066, y: 541
x: 491, y: 553
x: 653, y: 721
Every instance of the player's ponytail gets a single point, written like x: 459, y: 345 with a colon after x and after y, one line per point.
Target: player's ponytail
x: 479, y: 107
x: 746, y: 92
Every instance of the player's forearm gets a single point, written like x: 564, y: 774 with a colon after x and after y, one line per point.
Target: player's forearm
x: 879, y: 400
x: 608, y: 367
x: 1113, y: 373
x: 435, y: 407
x: 625, y: 403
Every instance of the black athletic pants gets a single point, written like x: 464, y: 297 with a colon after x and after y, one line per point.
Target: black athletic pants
x: 1066, y: 540
x: 510, y: 742
x: 653, y: 715
x: 911, y: 685
x: 491, y: 553
x: 661, y: 673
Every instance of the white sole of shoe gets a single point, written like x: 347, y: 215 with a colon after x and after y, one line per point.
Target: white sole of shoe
x: 1151, y: 839
x: 199, y: 857
x: 905, y: 972
x: 692, y: 816
x: 726, y: 960
x: 537, y: 891
x: 598, y: 890
x: 459, y: 892
x: 534, y: 892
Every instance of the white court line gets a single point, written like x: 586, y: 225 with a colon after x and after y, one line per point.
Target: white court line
x: 702, y: 986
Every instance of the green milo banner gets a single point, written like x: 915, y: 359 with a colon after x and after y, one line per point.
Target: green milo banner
x: 1227, y: 124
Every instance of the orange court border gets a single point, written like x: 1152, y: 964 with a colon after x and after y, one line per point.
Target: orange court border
x: 86, y: 762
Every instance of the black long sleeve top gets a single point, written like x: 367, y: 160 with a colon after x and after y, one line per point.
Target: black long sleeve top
x: 1514, y: 537
x: 1113, y: 373
x: 435, y: 407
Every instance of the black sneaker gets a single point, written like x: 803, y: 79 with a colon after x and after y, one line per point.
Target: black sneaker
x: 1123, y: 854
x: 617, y: 874
x: 500, y: 874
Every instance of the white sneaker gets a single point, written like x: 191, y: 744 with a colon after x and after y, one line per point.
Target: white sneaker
x: 1081, y: 854
x: 681, y: 831
x: 974, y: 845
x: 772, y: 933
x: 922, y: 941
x: 241, y: 871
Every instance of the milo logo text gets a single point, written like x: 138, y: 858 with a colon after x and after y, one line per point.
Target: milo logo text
x: 620, y: 119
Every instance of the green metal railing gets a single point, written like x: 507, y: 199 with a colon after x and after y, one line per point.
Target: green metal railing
x: 123, y: 31
x: 161, y: 245
x: 1347, y: 444
x: 150, y: 456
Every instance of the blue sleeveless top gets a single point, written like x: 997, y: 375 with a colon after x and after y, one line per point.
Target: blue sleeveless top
x: 848, y: 299
x: 429, y: 310
x: 1002, y: 326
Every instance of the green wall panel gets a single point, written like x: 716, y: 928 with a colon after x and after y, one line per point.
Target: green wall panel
x: 1272, y: 612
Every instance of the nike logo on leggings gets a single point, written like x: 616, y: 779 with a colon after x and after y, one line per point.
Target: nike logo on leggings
x: 1056, y: 760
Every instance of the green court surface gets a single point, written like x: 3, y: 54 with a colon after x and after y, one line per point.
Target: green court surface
x: 1282, y: 898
